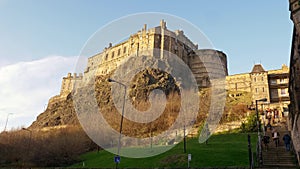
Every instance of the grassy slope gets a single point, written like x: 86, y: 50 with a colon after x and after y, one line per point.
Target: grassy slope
x: 221, y: 150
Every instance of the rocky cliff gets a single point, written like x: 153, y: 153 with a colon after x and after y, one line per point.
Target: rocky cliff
x: 61, y: 111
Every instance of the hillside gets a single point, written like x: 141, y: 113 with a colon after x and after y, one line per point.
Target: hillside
x: 60, y: 109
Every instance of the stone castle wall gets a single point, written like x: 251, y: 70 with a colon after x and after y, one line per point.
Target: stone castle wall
x: 238, y: 83
x: 68, y: 83
x: 157, y: 38
x: 208, y: 64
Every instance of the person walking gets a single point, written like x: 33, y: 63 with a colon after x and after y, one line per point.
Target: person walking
x: 287, y: 141
x: 275, y: 136
x: 266, y: 140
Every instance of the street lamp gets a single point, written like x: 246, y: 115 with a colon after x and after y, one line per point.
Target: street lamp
x: 7, y: 121
x: 122, y: 117
x: 259, y: 129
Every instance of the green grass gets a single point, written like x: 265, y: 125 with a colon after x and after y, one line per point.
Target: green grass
x: 229, y: 149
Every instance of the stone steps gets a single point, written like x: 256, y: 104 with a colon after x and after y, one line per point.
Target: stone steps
x: 278, y: 157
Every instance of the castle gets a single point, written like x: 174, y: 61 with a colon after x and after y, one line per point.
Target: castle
x: 259, y: 83
x: 152, y: 39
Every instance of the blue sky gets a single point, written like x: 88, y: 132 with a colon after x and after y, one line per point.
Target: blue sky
x: 31, y: 32
x: 247, y: 31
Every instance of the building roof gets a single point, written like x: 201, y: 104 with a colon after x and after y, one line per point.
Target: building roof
x: 257, y: 69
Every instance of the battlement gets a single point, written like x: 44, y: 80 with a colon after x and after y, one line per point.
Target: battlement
x: 68, y: 82
x: 74, y: 76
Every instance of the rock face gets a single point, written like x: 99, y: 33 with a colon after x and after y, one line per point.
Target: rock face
x: 61, y: 111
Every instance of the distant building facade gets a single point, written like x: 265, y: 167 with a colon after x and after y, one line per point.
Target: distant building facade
x: 272, y: 84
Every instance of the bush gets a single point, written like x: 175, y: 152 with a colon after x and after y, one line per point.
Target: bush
x: 251, y: 123
x: 51, y: 148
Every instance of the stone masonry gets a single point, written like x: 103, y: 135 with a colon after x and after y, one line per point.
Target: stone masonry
x: 272, y: 84
x: 152, y: 39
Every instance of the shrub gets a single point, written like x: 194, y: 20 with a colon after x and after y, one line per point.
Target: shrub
x: 250, y: 125
x: 51, y: 148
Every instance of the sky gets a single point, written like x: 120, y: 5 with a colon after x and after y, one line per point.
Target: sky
x: 40, y: 41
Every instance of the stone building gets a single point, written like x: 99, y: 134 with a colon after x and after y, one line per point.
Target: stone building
x: 278, y: 86
x: 144, y: 40
x: 205, y: 64
x: 272, y: 84
x: 294, y: 83
x: 68, y: 83
x: 259, y: 85
x: 208, y: 64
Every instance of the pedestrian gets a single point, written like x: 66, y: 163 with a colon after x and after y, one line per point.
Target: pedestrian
x: 269, y: 116
x: 266, y: 140
x: 273, y: 117
x: 275, y: 136
x: 287, y: 141
x: 276, y: 115
x: 269, y: 126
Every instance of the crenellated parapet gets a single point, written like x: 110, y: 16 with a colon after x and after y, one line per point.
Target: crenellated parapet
x: 68, y: 82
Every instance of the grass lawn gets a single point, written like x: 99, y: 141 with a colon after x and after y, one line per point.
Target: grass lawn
x: 229, y: 149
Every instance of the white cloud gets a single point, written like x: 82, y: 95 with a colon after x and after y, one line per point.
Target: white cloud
x: 26, y: 87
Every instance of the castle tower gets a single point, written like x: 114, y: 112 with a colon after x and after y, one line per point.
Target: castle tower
x: 259, y: 87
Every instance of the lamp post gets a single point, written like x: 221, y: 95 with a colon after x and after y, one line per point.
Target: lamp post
x: 7, y: 121
x: 259, y: 129
x: 122, y: 117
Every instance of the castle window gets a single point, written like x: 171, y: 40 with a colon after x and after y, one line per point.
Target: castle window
x: 273, y: 81
x: 106, y: 56
x: 283, y: 92
x: 124, y: 49
x: 112, y: 54
x: 119, y: 51
x: 255, y: 79
x: 263, y: 89
x: 256, y: 90
x: 262, y: 78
